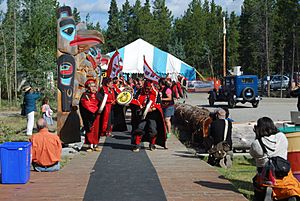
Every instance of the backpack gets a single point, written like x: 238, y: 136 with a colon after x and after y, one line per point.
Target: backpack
x: 278, y: 165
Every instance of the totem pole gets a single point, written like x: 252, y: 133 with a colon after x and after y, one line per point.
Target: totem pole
x: 77, y: 60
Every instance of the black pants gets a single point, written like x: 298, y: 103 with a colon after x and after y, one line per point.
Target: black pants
x: 147, y: 126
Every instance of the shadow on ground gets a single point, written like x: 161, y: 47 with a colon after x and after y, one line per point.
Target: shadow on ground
x: 216, y: 185
x: 117, y: 145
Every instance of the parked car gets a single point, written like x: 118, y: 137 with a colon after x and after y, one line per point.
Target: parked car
x: 275, y: 82
x: 242, y: 88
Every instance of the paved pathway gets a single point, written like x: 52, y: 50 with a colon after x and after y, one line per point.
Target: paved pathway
x: 183, y: 177
x: 121, y: 174
x: 67, y: 184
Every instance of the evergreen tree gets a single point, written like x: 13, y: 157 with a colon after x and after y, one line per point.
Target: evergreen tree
x: 286, y: 31
x: 176, y: 48
x: 12, y: 37
x: 191, y: 28
x: 38, y: 52
x: 233, y: 40
x: 113, y: 34
x: 252, y: 31
x: 147, y: 24
x: 125, y: 20
x: 76, y: 15
x: 213, y: 34
x: 134, y: 31
x: 163, y: 24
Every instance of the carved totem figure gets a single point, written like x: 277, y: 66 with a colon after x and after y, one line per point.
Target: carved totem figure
x: 77, y: 61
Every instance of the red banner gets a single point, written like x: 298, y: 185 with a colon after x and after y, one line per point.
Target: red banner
x: 149, y: 73
x: 115, y: 65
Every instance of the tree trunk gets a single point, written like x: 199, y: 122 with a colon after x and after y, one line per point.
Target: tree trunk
x: 282, y: 69
x: 15, y: 55
x: 9, y: 89
x: 0, y: 94
x: 267, y: 45
x: 5, y: 61
x: 210, y: 62
x: 293, y: 58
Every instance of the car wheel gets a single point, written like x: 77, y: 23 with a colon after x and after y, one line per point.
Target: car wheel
x: 255, y: 104
x: 248, y: 94
x: 231, y: 102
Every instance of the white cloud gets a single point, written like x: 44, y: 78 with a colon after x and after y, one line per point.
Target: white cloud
x: 88, y: 6
x: 230, y: 5
x: 3, y: 6
x: 177, y: 7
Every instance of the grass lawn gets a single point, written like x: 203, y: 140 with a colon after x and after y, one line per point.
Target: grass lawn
x: 12, y: 127
x: 241, y: 174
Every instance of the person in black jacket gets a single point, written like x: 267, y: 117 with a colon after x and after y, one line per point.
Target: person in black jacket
x: 295, y: 92
x: 220, y: 128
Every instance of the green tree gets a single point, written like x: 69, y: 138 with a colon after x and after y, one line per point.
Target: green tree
x: 12, y: 37
x: 125, y: 16
x: 76, y: 15
x: 113, y: 34
x: 38, y: 51
x: 176, y: 48
x: 233, y: 40
x: 163, y: 24
x: 89, y: 24
x: 285, y: 37
x: 147, y: 24
x: 134, y: 31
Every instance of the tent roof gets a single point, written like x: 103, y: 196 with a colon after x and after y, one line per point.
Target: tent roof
x: 160, y: 61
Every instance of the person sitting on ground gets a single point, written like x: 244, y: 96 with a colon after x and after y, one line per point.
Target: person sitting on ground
x: 227, y: 114
x: 276, y: 144
x: 46, y: 149
x: 220, y: 132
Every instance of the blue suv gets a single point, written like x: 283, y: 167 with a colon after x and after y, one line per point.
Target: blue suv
x: 243, y: 88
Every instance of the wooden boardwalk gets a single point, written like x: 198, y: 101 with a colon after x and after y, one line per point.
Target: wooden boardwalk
x: 67, y: 184
x: 183, y: 177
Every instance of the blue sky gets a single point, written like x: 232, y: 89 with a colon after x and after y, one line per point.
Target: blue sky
x: 98, y: 9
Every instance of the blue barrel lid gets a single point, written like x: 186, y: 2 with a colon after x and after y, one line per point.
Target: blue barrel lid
x: 15, y: 145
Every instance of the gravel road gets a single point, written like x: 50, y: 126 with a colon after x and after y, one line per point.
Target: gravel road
x: 276, y: 108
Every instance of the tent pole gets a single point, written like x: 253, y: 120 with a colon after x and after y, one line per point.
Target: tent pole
x: 200, y: 75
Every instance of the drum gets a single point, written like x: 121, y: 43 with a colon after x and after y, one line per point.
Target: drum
x: 124, y: 98
x: 294, y: 153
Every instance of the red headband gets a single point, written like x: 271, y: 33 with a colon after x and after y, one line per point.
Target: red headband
x: 88, y: 82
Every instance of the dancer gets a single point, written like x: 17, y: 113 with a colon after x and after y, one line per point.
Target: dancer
x: 150, y: 125
x: 107, y: 91
x: 89, y: 110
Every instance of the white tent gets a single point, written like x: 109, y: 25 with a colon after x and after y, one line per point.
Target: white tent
x: 160, y: 61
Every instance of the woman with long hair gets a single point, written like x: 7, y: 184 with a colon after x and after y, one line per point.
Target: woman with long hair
x: 276, y: 144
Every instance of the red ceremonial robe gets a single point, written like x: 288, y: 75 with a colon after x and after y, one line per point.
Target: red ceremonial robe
x: 89, y: 105
x: 106, y: 117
